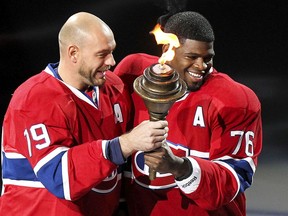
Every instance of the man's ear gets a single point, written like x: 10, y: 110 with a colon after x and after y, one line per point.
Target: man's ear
x: 73, y: 53
x: 165, y: 48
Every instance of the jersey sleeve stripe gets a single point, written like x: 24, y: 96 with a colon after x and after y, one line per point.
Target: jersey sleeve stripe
x: 244, y: 168
x: 50, y: 174
x: 48, y: 157
x: 26, y: 183
x: 12, y: 155
x: 104, y: 146
x: 244, y: 171
x: 65, y: 176
x: 17, y: 169
x: 251, y: 163
x: 119, y: 176
x: 234, y: 174
x: 200, y: 154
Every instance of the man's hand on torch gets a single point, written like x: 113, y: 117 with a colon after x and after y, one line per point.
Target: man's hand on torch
x: 163, y: 160
x: 147, y: 136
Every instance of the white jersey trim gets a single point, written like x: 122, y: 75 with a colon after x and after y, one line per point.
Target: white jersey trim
x: 190, y: 184
x: 25, y: 183
x: 200, y: 154
x: 248, y: 159
x: 65, y: 176
x: 251, y: 163
x: 184, y: 97
x: 104, y: 144
x: 119, y: 176
x: 74, y: 90
x: 48, y: 157
x: 13, y: 155
x: 155, y: 187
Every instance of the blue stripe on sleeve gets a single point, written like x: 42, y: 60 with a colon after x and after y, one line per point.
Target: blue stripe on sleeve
x: 244, y: 172
x: 50, y: 175
x: 17, y: 169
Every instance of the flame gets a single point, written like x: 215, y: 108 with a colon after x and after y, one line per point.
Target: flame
x: 165, y: 38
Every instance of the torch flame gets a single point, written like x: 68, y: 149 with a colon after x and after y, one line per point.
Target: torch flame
x: 165, y: 38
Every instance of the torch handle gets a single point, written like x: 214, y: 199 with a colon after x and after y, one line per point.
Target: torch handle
x: 155, y: 117
x: 152, y: 174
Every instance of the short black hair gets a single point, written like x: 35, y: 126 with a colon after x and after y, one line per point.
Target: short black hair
x: 190, y: 25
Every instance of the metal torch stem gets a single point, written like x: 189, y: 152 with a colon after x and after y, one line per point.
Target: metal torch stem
x: 154, y: 117
x: 152, y: 174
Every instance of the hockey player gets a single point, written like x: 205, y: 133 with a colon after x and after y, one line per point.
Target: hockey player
x: 62, y: 132
x: 215, y: 133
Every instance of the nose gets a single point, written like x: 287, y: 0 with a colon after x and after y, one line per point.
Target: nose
x: 110, y: 60
x: 200, y: 64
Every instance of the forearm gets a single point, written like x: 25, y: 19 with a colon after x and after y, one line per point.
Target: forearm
x: 75, y: 171
x: 210, y: 185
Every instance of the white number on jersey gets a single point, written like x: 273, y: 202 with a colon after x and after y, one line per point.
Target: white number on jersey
x: 38, y: 132
x: 249, y: 135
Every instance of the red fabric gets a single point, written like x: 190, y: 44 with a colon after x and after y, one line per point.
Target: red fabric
x: 225, y: 106
x: 66, y: 122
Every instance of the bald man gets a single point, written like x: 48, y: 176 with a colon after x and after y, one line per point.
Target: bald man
x: 64, y: 130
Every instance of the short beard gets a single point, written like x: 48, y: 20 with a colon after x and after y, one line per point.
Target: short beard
x: 195, y: 86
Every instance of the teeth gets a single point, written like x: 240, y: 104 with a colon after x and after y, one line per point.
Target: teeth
x: 195, y: 75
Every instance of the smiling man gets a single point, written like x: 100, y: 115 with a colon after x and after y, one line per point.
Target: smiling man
x: 215, y: 134
x: 64, y: 130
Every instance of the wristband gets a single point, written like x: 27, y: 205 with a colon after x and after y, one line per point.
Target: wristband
x: 189, y: 173
x: 192, y: 182
x: 114, y: 152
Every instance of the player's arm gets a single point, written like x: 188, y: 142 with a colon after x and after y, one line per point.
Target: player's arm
x: 235, y: 147
x: 66, y: 170
x: 46, y: 139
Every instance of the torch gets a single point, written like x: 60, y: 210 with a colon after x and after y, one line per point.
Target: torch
x: 160, y: 85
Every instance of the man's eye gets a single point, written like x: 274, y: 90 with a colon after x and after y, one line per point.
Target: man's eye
x: 101, y: 55
x: 191, y: 57
x: 208, y: 60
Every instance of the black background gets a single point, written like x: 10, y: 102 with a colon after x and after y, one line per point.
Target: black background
x: 251, y: 46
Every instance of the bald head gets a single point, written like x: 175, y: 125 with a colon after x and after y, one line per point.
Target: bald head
x: 86, y: 45
x: 81, y: 27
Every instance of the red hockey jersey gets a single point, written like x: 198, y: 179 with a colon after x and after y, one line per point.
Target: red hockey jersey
x: 54, y: 148
x: 218, y: 128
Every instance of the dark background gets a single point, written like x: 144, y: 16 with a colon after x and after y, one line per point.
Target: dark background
x: 251, y: 46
